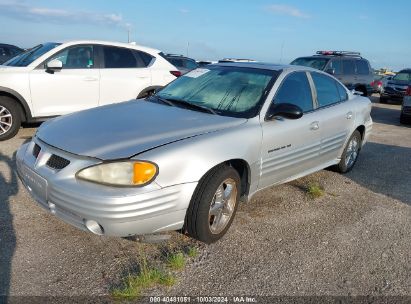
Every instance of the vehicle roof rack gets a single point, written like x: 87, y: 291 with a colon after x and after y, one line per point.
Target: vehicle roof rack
x: 339, y: 53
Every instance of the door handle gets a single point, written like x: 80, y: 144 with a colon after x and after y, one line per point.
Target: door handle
x: 90, y: 78
x: 349, y: 115
x: 315, y: 125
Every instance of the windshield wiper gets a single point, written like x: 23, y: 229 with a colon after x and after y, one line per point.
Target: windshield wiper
x: 194, y: 106
x: 167, y: 102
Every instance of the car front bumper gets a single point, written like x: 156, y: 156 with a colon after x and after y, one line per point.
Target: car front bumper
x: 117, y: 211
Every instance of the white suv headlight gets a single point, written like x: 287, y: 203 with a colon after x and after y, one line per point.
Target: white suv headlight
x: 122, y: 173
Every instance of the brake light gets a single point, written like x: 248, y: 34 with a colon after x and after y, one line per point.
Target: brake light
x: 379, y: 83
x: 372, y: 83
x: 408, y: 92
x: 176, y: 73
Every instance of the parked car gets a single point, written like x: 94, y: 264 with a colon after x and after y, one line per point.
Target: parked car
x: 53, y: 79
x: 8, y: 51
x: 396, y: 87
x: 184, y: 64
x: 377, y: 84
x: 203, y: 63
x: 406, y: 107
x: 225, y: 60
x: 349, y: 67
x: 183, y: 158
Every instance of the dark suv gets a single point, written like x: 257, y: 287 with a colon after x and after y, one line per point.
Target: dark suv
x: 349, y: 67
x: 396, y: 87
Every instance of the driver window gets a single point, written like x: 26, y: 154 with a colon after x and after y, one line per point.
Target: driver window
x: 76, y: 57
x: 296, y: 90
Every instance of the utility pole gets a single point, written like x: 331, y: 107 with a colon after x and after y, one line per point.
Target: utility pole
x: 128, y: 35
x: 282, y: 50
x: 188, y: 47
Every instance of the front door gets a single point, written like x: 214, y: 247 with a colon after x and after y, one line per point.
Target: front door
x: 75, y: 87
x: 291, y: 147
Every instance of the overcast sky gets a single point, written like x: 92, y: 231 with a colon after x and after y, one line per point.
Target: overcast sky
x: 259, y: 29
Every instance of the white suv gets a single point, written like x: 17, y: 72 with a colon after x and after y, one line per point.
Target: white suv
x: 53, y: 79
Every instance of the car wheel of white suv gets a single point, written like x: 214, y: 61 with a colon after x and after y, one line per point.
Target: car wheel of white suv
x: 10, y: 117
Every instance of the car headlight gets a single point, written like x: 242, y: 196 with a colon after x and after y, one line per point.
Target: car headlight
x: 122, y: 173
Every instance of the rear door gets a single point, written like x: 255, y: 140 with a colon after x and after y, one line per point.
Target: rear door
x: 124, y: 74
x: 337, y: 115
x: 291, y: 147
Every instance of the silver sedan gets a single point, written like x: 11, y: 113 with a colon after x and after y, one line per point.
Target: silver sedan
x: 185, y: 157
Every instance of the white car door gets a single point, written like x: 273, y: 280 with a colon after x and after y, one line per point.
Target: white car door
x: 73, y: 88
x: 124, y: 74
x: 291, y: 147
x: 337, y: 115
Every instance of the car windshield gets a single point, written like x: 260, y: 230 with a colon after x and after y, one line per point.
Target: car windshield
x: 26, y: 58
x: 312, y: 62
x: 224, y: 90
x: 403, y: 76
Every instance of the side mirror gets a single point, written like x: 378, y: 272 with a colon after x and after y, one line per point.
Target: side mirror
x: 286, y: 110
x: 54, y: 65
x: 330, y: 71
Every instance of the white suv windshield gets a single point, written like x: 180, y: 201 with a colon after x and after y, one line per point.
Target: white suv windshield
x: 24, y: 59
x: 232, y: 91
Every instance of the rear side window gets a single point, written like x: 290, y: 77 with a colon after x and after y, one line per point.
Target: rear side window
x: 362, y: 67
x: 119, y: 58
x: 296, y: 90
x: 327, y: 92
x: 336, y: 65
x: 146, y: 58
x: 176, y: 62
x: 349, y: 66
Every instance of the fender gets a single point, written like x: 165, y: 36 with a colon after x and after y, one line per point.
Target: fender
x: 27, y: 112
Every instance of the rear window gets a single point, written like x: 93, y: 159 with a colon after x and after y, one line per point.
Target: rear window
x: 403, y: 76
x: 117, y: 58
x: 349, y: 66
x: 312, y: 62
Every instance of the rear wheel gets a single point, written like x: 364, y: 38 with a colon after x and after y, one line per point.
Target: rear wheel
x: 10, y: 118
x: 383, y: 99
x: 350, y: 154
x: 214, y: 204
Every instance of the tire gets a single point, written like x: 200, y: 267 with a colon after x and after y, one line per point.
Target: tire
x: 200, y: 223
x: 403, y: 120
x: 383, y: 99
x: 10, y: 117
x: 345, y: 165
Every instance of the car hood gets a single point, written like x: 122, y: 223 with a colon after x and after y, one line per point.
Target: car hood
x: 126, y: 129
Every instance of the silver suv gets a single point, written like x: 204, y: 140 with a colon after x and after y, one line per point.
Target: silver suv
x: 350, y: 68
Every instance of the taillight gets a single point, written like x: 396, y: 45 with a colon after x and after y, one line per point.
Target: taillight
x: 372, y: 83
x: 379, y: 83
x: 176, y: 73
x: 408, y: 92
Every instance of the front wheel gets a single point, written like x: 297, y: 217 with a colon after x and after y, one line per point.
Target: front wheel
x: 350, y: 154
x: 214, y: 204
x: 10, y: 118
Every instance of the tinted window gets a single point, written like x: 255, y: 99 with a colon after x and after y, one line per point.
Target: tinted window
x: 337, y: 66
x: 118, y: 58
x: 362, y: 67
x: 312, y: 62
x: 296, y: 89
x: 327, y: 92
x: 403, y: 76
x: 341, y: 91
x: 146, y: 58
x: 76, y: 57
x: 177, y: 62
x: 4, y: 51
x: 349, y: 67
x: 191, y: 65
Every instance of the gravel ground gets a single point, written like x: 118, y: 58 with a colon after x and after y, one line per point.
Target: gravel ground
x: 354, y: 240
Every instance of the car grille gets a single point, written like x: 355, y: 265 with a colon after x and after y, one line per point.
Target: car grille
x: 57, y: 162
x: 36, y: 151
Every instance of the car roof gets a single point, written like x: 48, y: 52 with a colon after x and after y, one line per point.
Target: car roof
x: 10, y: 45
x: 267, y: 66
x: 112, y: 43
x: 407, y: 70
